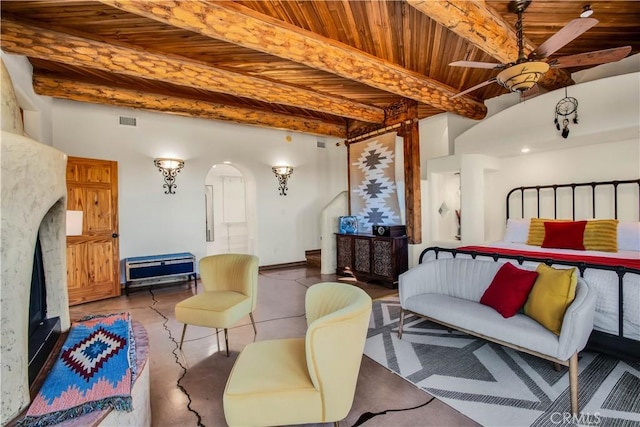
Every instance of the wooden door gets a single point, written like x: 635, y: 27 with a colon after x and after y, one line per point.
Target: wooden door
x: 93, y: 259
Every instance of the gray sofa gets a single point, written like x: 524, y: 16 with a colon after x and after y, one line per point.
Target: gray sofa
x: 448, y: 292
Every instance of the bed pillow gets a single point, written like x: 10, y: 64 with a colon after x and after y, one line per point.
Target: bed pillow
x: 517, y: 230
x: 564, y: 235
x: 509, y: 289
x: 629, y: 236
x: 601, y: 235
x: 552, y: 292
x: 536, y: 230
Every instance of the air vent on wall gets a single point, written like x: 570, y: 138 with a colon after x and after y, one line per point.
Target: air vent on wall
x: 127, y: 121
x: 320, y: 144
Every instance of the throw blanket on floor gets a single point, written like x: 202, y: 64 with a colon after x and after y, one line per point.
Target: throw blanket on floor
x: 94, y: 371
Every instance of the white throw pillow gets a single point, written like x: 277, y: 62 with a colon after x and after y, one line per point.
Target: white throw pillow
x: 629, y: 236
x: 517, y: 230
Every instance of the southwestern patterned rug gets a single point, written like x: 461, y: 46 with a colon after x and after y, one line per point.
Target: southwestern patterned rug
x: 94, y: 370
x: 497, y: 386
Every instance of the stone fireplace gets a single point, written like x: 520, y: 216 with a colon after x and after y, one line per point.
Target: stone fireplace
x: 33, y: 202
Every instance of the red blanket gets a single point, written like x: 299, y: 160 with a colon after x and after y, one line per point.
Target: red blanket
x: 614, y: 262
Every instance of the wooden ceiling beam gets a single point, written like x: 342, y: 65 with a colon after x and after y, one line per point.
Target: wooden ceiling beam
x: 482, y: 26
x: 240, y: 25
x: 55, y: 46
x: 122, y: 97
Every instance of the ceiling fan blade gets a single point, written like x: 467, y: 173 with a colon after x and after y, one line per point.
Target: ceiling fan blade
x: 565, y: 35
x: 591, y: 58
x: 478, y: 86
x: 474, y: 64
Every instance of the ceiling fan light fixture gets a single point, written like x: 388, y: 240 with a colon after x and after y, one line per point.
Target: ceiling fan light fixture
x: 586, y: 11
x: 521, y: 77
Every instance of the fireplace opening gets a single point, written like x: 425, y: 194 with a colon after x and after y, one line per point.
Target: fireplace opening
x: 43, y: 331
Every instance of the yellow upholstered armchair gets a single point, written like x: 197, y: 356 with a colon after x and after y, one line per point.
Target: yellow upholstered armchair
x: 230, y: 283
x: 303, y: 380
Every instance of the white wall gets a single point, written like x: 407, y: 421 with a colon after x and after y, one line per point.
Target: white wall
x: 152, y: 222
x: 608, y: 111
x: 437, y: 136
x: 330, y: 218
x: 36, y: 109
x: 434, y: 140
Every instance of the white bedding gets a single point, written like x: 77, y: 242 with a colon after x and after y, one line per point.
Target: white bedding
x: 604, y: 282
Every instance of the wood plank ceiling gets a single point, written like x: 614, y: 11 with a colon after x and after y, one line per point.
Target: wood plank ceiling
x: 320, y: 67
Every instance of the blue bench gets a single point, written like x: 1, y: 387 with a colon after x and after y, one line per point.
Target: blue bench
x: 150, y: 267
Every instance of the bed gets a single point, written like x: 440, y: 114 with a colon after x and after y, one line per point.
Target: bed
x: 614, y: 272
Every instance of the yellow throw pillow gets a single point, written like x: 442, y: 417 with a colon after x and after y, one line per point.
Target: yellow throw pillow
x: 536, y: 230
x: 552, y: 292
x: 601, y: 235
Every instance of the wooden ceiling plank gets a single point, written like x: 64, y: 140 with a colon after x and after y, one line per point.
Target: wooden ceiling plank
x: 479, y: 23
x: 475, y: 21
x: 240, y: 25
x: 56, y: 46
x: 122, y: 97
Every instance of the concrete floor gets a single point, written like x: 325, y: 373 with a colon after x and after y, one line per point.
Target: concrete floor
x: 187, y: 385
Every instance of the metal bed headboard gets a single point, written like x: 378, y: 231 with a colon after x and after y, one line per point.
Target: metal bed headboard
x: 555, y: 187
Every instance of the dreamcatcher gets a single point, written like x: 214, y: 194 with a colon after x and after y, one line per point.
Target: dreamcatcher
x: 564, y: 108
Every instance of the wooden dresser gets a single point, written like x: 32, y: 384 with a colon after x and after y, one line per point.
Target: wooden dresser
x: 372, y: 258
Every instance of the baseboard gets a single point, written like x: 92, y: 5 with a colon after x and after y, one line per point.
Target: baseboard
x: 285, y: 265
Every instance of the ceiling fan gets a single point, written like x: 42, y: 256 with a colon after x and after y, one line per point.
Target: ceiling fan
x: 524, y: 73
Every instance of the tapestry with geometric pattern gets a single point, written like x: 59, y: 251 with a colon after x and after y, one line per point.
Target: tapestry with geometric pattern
x: 372, y: 181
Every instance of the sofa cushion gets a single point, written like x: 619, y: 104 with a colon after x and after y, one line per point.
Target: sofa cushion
x: 552, y: 292
x: 519, y: 330
x: 457, y: 277
x: 509, y: 289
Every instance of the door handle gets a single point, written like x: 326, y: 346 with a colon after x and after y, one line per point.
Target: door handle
x: 114, y: 235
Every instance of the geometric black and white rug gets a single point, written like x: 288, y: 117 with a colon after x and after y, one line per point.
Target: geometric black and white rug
x: 498, y: 386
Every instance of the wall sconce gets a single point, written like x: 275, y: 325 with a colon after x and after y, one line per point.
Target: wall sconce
x: 282, y: 173
x: 169, y: 169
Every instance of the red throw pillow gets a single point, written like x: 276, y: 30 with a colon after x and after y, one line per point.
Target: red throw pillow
x: 564, y: 235
x: 509, y: 289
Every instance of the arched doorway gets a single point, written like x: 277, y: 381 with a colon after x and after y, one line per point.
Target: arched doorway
x: 226, y: 211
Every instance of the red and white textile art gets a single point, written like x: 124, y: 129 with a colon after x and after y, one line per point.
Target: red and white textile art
x: 372, y: 181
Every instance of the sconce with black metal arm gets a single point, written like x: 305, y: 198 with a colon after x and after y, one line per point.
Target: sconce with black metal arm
x: 282, y: 173
x: 169, y: 169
